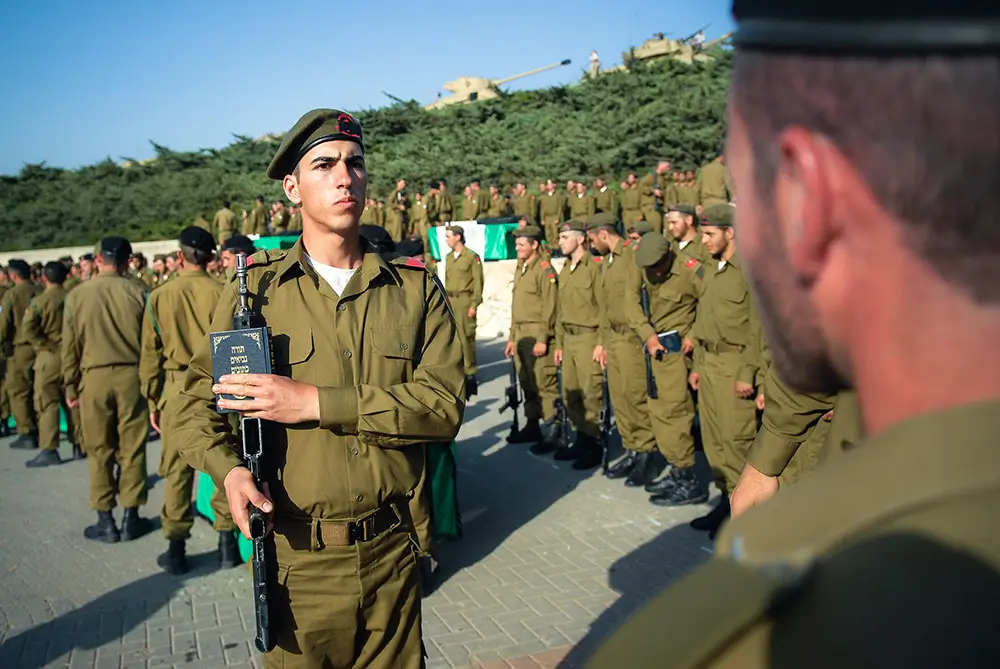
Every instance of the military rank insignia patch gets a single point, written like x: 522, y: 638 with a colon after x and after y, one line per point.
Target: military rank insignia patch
x: 691, y: 263
x: 546, y: 263
x: 413, y: 262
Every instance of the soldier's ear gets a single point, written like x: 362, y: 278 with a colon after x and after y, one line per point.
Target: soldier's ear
x: 290, y: 184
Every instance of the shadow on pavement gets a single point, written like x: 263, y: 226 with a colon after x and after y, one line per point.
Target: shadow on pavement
x: 106, y: 620
x: 638, y: 577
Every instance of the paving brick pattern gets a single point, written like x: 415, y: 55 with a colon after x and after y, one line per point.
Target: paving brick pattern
x: 552, y: 561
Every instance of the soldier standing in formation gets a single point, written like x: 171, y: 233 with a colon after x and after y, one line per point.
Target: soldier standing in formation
x: 551, y: 211
x: 532, y: 333
x: 621, y: 353
x: 225, y: 222
x: 631, y: 201
x: 445, y: 203
x: 581, y: 204
x: 685, y: 235
x: 100, y: 359
x: 470, y: 207
x: 370, y: 371
x: 175, y: 324
x: 672, y: 286
x: 577, y: 340
x: 463, y: 276
x: 43, y: 324
x: 605, y: 200
x: 18, y: 379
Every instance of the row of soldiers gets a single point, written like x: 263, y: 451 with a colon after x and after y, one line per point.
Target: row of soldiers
x: 670, y: 319
x: 129, y: 345
x: 259, y: 220
x: 636, y: 199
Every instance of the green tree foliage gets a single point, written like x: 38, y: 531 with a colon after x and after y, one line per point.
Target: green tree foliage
x: 603, y: 126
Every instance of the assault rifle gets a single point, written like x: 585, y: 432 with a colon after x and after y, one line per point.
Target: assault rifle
x: 562, y: 416
x: 513, y: 397
x: 650, y: 381
x: 605, y: 420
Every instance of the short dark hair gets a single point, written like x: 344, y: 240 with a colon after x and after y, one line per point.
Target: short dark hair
x: 196, y: 256
x: 226, y: 204
x: 922, y: 130
x: 55, y: 272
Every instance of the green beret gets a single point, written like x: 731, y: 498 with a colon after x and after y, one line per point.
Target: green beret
x: 601, y: 220
x: 685, y: 209
x: 530, y: 231
x: 720, y: 216
x: 573, y: 224
x: 651, y: 249
x: 867, y: 27
x: 456, y: 230
x: 641, y: 227
x: 316, y: 127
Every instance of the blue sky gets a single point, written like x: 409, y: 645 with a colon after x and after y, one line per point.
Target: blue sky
x: 87, y: 80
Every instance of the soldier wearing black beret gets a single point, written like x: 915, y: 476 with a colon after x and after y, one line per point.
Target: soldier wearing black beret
x: 19, y: 376
x: 367, y: 370
x: 864, y: 143
x: 232, y: 246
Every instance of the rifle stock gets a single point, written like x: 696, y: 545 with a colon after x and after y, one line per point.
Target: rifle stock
x: 513, y: 398
x: 562, y: 415
x: 650, y: 380
x: 605, y: 420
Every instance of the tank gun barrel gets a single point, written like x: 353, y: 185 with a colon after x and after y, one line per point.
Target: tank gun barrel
x: 499, y: 82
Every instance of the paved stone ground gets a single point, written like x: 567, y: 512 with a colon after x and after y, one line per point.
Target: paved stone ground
x: 552, y: 560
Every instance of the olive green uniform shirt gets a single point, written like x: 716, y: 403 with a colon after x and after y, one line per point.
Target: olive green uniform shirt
x: 578, y: 304
x: 445, y: 205
x: 714, y: 185
x: 526, y: 207
x: 497, y: 207
x: 225, y: 220
x: 482, y: 200
x: 175, y: 324
x: 693, y: 248
x: 295, y: 222
x: 725, y: 315
x: 647, y: 195
x: 552, y: 207
x: 535, y: 299
x: 606, y: 201
x: 387, y: 360
x: 102, y: 327
x: 13, y: 307
x: 631, y: 199
x: 582, y: 206
x: 257, y: 221
x: 618, y: 292
x: 672, y: 303
x: 43, y: 322
x: 463, y: 276
x: 470, y: 209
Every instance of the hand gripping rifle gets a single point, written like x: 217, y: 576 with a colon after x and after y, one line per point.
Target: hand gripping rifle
x: 562, y: 416
x: 650, y: 381
x: 513, y: 397
x: 246, y: 350
x: 605, y: 420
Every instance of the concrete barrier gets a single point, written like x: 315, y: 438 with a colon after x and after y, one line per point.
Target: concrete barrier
x: 148, y: 249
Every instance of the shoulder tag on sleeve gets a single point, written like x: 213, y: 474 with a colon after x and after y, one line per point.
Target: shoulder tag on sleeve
x: 413, y: 262
x: 546, y: 263
x: 598, y: 259
x: 691, y: 263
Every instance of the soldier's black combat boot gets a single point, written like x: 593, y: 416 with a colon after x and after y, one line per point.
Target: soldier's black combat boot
x: 685, y: 489
x: 25, y: 442
x: 623, y: 467
x: 471, y: 386
x: 550, y: 443
x: 662, y: 485
x: 134, y: 526
x: 647, y: 467
x: 78, y: 453
x: 714, y: 519
x: 529, y: 434
x: 104, y: 530
x: 44, y: 459
x: 229, y: 550
x: 592, y: 455
x: 174, y: 560
x: 573, y: 452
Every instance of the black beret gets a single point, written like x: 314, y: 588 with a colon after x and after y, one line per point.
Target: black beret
x: 19, y: 266
x: 868, y: 26
x: 238, y: 243
x: 315, y: 127
x: 115, y: 248
x: 55, y: 272
x: 410, y: 247
x: 377, y: 236
x: 197, y: 238
x: 87, y: 256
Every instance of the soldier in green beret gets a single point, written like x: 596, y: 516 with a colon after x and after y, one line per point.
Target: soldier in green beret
x: 368, y: 369
x: 684, y: 233
x: 463, y: 281
x: 672, y: 288
x: 577, y: 337
x: 887, y: 555
x: 605, y: 198
x: 225, y: 222
x: 620, y: 351
x: 636, y: 231
x: 533, y: 313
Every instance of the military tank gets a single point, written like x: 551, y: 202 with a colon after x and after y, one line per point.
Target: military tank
x: 683, y: 50
x: 470, y: 89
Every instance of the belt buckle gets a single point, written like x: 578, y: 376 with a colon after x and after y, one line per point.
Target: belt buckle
x: 361, y: 530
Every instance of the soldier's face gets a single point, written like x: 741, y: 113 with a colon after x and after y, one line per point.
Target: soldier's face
x: 599, y: 241
x: 157, y: 265
x: 634, y: 236
x: 716, y: 240
x: 451, y: 239
x: 677, y: 225
x: 330, y: 187
x: 803, y: 351
x: 87, y: 266
x: 525, y: 247
x: 228, y: 259
x: 569, y: 242
x: 171, y: 263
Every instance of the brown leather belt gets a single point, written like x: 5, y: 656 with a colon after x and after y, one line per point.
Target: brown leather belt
x: 578, y: 329
x: 317, y: 534
x: 721, y: 347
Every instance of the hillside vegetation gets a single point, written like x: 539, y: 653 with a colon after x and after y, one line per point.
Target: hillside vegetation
x: 606, y: 126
